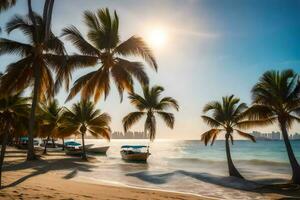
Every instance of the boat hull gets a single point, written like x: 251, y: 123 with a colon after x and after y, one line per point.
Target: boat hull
x: 76, y: 152
x: 99, y: 150
x: 135, y: 157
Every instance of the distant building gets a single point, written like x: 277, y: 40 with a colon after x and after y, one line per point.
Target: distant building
x: 275, y: 135
x: 129, y: 135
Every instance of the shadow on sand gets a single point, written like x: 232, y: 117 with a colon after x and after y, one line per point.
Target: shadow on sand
x: 288, y: 190
x: 43, y: 166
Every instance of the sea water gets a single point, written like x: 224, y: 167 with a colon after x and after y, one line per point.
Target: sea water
x: 191, y: 167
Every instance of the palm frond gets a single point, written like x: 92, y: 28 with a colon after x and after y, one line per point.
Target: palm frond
x: 13, y: 47
x: 246, y: 135
x: 210, y: 136
x: 79, y: 84
x: 6, y: 4
x: 167, y: 102
x: 211, y: 122
x: 135, y: 69
x: 168, y: 118
x: 246, y: 124
x: 137, y: 47
x: 72, y: 34
x: 130, y: 119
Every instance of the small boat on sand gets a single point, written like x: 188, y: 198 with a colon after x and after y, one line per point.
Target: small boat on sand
x: 97, y: 150
x: 135, y: 153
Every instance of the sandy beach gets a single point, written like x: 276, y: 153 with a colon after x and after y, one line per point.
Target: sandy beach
x: 50, y: 178
x: 55, y: 177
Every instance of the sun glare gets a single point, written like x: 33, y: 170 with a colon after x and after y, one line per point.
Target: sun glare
x: 157, y: 37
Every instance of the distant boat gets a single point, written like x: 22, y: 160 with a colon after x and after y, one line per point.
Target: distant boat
x: 134, y: 153
x: 98, y: 150
x: 23, y: 143
x: 73, y: 148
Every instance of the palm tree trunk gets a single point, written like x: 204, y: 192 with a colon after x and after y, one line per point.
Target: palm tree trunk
x: 53, y: 143
x: 63, y: 144
x: 47, y: 15
x: 45, y: 148
x: 293, y: 161
x: 3, y: 149
x: 37, y: 80
x: 83, y: 148
x: 231, y: 168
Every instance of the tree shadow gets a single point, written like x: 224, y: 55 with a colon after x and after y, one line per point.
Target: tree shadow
x: 287, y: 190
x: 44, y: 166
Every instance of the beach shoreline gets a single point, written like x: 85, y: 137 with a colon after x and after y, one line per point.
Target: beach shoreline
x: 56, y: 176
x: 34, y: 180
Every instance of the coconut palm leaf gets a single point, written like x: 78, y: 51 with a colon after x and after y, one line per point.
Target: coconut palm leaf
x: 246, y: 135
x: 168, y: 118
x: 211, y: 122
x: 13, y: 47
x: 135, y: 46
x: 104, y: 44
x: 5, y: 4
x: 131, y: 119
x: 166, y: 103
x: 210, y: 136
x: 73, y: 34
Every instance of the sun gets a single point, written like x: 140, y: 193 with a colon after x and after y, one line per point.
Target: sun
x: 157, y: 37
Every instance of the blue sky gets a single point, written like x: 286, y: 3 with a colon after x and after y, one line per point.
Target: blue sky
x: 213, y: 48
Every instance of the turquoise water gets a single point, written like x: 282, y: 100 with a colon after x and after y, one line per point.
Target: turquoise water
x: 190, y: 166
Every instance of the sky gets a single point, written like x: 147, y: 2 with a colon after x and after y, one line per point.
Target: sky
x: 211, y: 48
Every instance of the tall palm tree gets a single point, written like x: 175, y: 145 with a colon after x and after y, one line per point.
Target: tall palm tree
x: 226, y: 116
x: 150, y: 105
x: 84, y: 118
x: 13, y: 116
x: 50, y: 116
x: 105, y: 51
x: 37, y: 59
x: 276, y: 99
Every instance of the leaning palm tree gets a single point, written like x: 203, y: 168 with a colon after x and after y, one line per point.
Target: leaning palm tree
x: 105, y: 51
x: 84, y: 118
x: 37, y: 59
x: 276, y: 99
x: 49, y: 117
x: 13, y: 116
x: 226, y: 116
x: 150, y: 105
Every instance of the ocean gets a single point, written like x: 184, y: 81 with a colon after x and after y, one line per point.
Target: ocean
x: 191, y: 167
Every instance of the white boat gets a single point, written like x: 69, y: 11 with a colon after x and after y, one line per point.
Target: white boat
x: 74, y: 149
x: 100, y: 150
x: 135, y: 153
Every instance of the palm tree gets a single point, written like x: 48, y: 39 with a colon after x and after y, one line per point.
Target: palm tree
x: 226, y: 116
x: 84, y: 118
x: 150, y: 105
x: 13, y: 116
x: 50, y: 116
x: 105, y: 51
x: 276, y: 100
x: 38, y: 58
